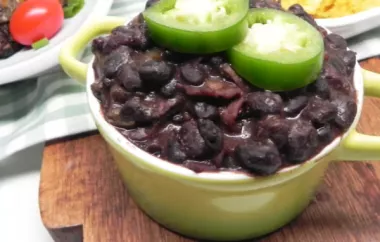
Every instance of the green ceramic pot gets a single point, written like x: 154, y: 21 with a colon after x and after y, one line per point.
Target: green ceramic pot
x: 223, y: 206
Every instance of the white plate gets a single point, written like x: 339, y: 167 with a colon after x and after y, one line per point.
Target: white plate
x: 30, y: 63
x: 352, y: 25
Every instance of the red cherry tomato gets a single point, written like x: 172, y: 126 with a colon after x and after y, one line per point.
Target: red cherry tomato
x: 35, y: 20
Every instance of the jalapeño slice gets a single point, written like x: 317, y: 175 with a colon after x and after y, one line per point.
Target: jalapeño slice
x: 281, y: 51
x: 197, y: 26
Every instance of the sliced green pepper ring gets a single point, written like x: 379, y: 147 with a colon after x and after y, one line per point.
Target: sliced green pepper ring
x: 197, y: 26
x: 281, y: 51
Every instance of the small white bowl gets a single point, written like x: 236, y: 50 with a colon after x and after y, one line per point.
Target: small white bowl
x: 352, y: 25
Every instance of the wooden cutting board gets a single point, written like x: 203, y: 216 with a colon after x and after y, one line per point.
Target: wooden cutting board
x: 82, y: 197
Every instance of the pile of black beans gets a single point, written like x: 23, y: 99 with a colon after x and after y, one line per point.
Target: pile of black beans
x: 195, y: 111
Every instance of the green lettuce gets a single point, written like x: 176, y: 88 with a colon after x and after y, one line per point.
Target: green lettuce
x: 72, y: 7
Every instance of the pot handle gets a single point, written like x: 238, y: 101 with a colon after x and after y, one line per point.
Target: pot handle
x: 357, y: 146
x: 71, y: 49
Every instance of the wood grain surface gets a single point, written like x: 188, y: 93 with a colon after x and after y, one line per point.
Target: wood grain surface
x: 82, y: 197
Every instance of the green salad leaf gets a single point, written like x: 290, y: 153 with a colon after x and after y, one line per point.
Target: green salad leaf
x: 72, y: 7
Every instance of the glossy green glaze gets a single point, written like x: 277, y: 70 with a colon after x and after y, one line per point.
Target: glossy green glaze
x: 216, y: 209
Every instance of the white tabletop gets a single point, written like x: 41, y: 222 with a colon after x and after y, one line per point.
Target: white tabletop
x: 19, y: 213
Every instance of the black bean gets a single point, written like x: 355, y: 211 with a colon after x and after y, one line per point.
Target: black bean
x: 211, y: 134
x: 335, y: 73
x: 135, y: 110
x: 192, y: 141
x: 206, y: 111
x: 320, y: 87
x: 98, y: 44
x: 276, y: 129
x: 335, y: 41
x: 169, y: 90
x: 295, y: 105
x: 149, y: 110
x: 129, y: 77
x: 181, y: 118
x: 119, y: 94
x: 216, y: 61
x: 337, y: 64
x: 174, y: 152
x: 135, y: 36
x: 302, y: 141
x: 320, y: 111
x: 192, y: 74
x: 113, y: 42
x: 346, y: 111
x: 349, y: 58
x: 115, y: 60
x: 156, y: 74
x: 108, y: 82
x: 265, y: 102
x: 325, y: 133
x: 114, y: 116
x: 97, y: 89
x: 261, y: 158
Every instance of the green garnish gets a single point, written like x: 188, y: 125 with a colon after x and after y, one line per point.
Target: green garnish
x: 72, y: 7
x: 41, y: 43
x: 281, y: 51
x: 197, y: 26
